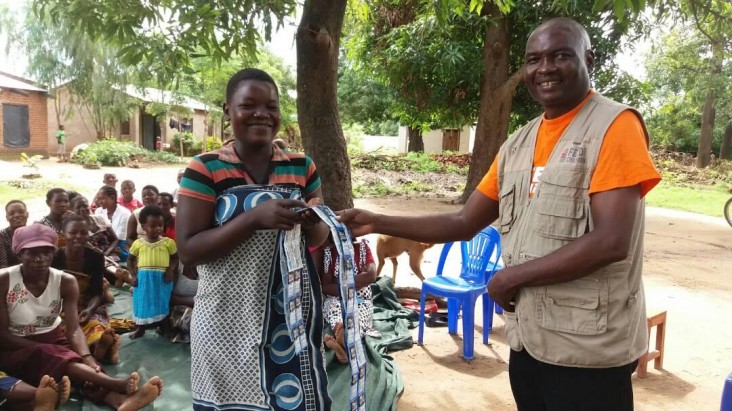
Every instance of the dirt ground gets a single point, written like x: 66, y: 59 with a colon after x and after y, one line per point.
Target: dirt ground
x: 687, y: 273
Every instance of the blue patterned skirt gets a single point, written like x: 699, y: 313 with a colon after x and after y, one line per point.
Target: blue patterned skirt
x: 242, y: 356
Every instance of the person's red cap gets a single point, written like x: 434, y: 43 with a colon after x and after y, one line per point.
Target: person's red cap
x: 34, y: 235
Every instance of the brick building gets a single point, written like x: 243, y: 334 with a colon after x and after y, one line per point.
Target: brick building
x: 23, y: 113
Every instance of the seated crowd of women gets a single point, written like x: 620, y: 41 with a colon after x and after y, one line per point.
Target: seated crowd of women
x: 55, y: 331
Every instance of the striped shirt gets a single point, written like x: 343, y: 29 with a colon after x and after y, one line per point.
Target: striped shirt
x: 210, y: 174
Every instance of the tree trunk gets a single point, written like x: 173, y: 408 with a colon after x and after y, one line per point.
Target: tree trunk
x: 57, y: 106
x: 318, y: 41
x: 704, y: 151
x: 496, y: 95
x: 414, y: 134
x: 724, y: 152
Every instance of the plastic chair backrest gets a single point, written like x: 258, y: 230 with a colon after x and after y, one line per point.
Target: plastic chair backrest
x: 480, y: 254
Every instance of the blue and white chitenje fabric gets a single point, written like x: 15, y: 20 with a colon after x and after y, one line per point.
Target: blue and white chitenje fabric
x: 346, y: 274
x: 244, y: 355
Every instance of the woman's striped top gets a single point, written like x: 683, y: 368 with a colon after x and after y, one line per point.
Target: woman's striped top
x: 209, y: 174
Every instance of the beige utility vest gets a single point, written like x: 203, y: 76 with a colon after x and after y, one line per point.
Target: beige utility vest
x: 599, y: 320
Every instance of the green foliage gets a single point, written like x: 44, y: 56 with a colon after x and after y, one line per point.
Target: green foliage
x: 59, y: 55
x: 31, y: 161
x: 213, y: 143
x: 422, y: 163
x: 606, y: 35
x: 164, y: 36
x: 432, y: 66
x: 417, y: 162
x: 111, y: 152
x: 191, y: 146
x: 679, y: 68
x: 365, y: 101
x: 431, y: 54
x: 381, y: 189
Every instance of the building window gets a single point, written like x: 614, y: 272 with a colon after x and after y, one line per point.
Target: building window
x: 16, y: 130
x: 124, y: 127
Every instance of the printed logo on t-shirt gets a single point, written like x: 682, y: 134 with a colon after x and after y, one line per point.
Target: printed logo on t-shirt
x: 575, y: 155
x: 535, y: 175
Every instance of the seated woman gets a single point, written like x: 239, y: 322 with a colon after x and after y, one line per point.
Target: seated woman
x: 57, y: 201
x: 181, y: 303
x: 87, y: 265
x: 101, y: 235
x: 17, y: 215
x: 325, y: 260
x: 32, y: 343
x: 103, y: 239
x: 18, y: 395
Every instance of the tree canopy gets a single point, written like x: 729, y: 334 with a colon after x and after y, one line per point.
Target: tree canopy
x: 680, y: 70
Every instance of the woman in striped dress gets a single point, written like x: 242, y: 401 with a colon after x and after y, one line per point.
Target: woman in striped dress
x: 235, y: 207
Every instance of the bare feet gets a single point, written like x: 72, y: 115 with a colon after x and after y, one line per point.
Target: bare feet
x: 128, y: 386
x: 340, y: 353
x: 122, y: 276
x: 46, y: 394
x: 144, y: 396
x: 64, y: 390
x: 113, y: 352
x: 139, y: 332
x: 102, y: 347
x: 108, y: 297
x: 340, y: 335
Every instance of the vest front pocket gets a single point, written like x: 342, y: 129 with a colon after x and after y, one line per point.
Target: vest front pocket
x: 561, y: 218
x: 576, y: 307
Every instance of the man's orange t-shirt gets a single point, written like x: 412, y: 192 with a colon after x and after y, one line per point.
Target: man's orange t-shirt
x: 624, y: 160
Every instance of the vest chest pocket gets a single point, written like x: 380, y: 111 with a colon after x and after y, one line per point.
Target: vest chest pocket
x: 561, y: 218
x: 562, y: 204
x: 577, y: 307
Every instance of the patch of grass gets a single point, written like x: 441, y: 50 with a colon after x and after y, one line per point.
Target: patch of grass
x: 695, y: 198
x: 416, y: 187
x: 362, y: 190
x: 423, y: 163
x: 29, y: 189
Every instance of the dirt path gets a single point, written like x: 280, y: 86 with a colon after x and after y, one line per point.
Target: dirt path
x: 687, y: 273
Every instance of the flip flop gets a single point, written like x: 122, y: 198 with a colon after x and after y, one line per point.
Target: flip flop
x: 436, y: 321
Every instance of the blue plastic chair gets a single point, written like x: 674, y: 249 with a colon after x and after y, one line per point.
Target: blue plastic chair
x: 480, y: 257
x: 727, y: 394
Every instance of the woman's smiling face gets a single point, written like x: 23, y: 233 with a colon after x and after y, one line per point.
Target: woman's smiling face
x: 254, y: 112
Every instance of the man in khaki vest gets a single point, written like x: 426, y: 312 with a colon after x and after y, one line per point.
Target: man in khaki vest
x: 566, y: 192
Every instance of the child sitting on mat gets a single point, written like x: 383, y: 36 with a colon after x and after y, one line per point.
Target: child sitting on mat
x: 326, y: 259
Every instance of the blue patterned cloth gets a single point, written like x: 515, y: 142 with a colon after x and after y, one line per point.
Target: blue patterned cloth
x: 242, y: 354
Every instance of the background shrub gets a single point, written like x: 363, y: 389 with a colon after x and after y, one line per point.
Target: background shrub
x: 112, y: 152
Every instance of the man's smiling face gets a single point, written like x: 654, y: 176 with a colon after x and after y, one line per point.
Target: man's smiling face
x: 557, y: 66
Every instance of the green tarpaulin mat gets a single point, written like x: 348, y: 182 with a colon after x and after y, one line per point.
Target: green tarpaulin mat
x: 154, y: 355
x: 384, y: 384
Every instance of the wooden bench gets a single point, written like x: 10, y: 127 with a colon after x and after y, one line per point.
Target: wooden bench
x: 656, y: 355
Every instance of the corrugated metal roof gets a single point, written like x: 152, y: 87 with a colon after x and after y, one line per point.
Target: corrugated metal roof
x: 153, y: 95
x: 10, y: 82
